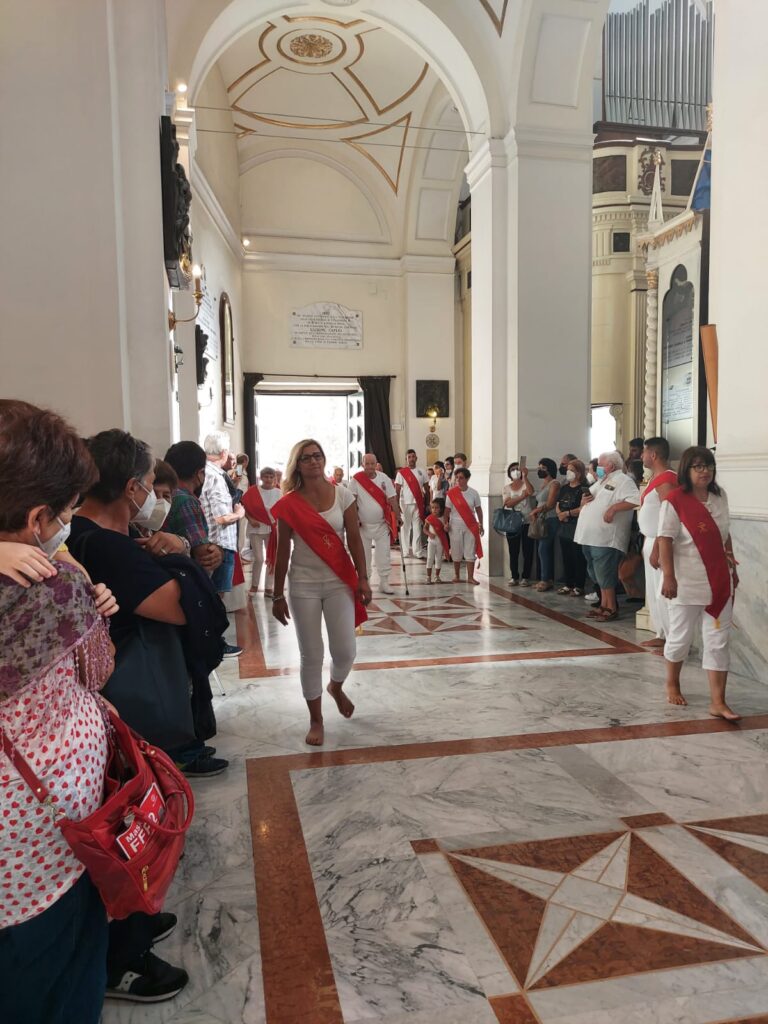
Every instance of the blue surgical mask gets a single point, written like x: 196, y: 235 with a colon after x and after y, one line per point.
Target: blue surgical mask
x: 600, y: 472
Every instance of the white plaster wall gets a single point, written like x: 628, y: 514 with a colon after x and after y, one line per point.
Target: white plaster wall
x: 223, y: 274
x: 216, y: 151
x: 82, y: 296
x: 269, y: 297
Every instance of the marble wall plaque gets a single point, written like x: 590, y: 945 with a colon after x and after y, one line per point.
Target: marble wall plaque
x: 326, y: 325
x: 209, y: 322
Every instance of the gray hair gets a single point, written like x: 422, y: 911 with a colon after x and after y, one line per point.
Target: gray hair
x: 216, y: 442
x: 615, y: 459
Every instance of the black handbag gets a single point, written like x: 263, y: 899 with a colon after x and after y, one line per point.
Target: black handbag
x: 508, y: 521
x: 150, y: 685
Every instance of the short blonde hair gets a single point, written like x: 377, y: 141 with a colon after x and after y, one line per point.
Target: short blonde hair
x: 292, y: 476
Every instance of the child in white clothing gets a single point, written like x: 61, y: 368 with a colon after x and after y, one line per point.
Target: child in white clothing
x: 435, y: 551
x: 259, y: 533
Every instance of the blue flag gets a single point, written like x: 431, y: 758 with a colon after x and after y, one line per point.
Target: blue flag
x: 702, y: 190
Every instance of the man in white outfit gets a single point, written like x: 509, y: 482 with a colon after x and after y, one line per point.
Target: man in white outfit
x: 410, y: 484
x: 663, y: 480
x: 375, y: 516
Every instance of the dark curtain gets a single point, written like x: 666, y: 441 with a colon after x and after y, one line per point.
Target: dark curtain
x: 378, y: 426
x: 250, y: 380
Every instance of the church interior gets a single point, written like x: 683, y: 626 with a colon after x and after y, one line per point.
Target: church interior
x: 490, y: 231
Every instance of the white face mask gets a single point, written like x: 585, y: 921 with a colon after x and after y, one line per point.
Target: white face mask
x: 591, y: 478
x: 52, y: 545
x: 570, y: 475
x: 515, y: 474
x: 144, y: 512
x: 159, y: 515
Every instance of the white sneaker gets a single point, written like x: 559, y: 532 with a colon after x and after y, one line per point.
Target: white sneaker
x: 524, y: 583
x: 386, y: 589
x: 592, y: 598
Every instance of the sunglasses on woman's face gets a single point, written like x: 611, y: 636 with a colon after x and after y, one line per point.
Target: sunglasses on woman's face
x: 312, y: 457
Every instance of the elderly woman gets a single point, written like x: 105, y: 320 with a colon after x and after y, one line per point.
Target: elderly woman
x: 313, y: 518
x: 603, y: 528
x: 55, y: 655
x: 699, y: 576
x: 518, y: 494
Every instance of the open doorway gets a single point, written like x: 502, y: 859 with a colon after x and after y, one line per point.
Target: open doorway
x: 603, y: 435
x: 334, y: 418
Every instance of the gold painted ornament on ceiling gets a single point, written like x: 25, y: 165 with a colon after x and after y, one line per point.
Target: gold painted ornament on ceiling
x: 328, y: 79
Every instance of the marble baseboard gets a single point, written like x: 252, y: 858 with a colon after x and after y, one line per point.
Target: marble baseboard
x: 749, y: 640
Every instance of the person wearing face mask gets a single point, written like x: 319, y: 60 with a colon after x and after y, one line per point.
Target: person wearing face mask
x: 568, y: 508
x: 603, y: 529
x: 663, y: 480
x: 186, y: 518
x: 449, y: 467
x: 562, y: 469
x: 55, y: 655
x: 546, y: 499
x: 518, y: 494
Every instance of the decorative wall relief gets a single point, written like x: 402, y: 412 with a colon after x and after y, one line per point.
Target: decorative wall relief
x: 176, y: 199
x: 647, y: 171
x: 432, y: 399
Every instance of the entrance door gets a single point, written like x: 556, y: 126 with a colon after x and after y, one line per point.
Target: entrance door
x: 355, y: 433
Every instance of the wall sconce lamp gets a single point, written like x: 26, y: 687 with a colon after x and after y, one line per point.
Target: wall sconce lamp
x: 197, y: 274
x: 433, y: 412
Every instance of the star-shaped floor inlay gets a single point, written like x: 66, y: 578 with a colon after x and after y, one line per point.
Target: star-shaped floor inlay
x: 417, y: 616
x: 586, y: 907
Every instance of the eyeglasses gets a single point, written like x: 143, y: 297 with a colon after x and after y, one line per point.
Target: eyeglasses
x: 312, y: 457
x: 702, y: 467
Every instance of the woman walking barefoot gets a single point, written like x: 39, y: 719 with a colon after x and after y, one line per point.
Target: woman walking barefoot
x: 699, y: 576
x: 313, y: 517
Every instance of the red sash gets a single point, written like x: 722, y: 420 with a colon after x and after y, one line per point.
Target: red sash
x: 459, y: 502
x: 372, y: 488
x: 417, y: 490
x: 698, y: 521
x: 253, y: 503
x: 667, y: 477
x: 322, y: 539
x: 437, y: 525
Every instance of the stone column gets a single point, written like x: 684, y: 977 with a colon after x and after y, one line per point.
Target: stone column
x: 651, y: 353
x: 638, y: 316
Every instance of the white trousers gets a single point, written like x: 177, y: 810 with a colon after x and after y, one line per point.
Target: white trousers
x: 411, y: 536
x: 309, y: 604
x: 463, y: 547
x: 259, y: 543
x: 376, y: 536
x: 658, y: 606
x: 715, y: 634
x: 435, y: 554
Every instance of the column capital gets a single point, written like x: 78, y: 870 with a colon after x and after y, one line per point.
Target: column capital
x: 652, y: 277
x: 492, y: 153
x: 550, y: 143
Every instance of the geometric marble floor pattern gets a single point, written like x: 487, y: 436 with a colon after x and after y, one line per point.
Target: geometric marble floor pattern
x: 514, y: 829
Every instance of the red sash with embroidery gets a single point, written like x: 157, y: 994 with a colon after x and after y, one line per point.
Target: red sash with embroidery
x: 437, y: 525
x: 417, y: 490
x: 698, y: 521
x: 253, y: 503
x: 322, y: 539
x: 459, y: 502
x: 372, y: 488
x: 667, y: 477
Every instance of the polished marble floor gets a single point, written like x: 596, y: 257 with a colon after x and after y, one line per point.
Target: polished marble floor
x: 514, y: 827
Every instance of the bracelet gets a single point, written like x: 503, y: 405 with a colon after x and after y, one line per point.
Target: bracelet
x: 280, y: 597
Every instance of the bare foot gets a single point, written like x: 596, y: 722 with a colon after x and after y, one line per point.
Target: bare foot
x: 455, y: 580
x: 723, y: 711
x: 344, y: 704
x: 674, y: 696
x: 656, y: 642
x: 473, y: 581
x: 316, y: 734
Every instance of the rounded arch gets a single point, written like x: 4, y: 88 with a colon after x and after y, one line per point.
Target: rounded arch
x: 410, y: 20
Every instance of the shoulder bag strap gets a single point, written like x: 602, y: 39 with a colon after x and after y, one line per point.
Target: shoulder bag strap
x: 38, y: 788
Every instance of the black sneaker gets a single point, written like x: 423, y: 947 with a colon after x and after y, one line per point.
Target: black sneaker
x: 147, y: 980
x: 209, y: 751
x: 232, y: 651
x: 162, y: 926
x: 204, y: 767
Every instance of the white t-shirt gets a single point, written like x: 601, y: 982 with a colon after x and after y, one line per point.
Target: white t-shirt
x: 406, y: 494
x: 269, y: 498
x: 525, y: 506
x: 648, y: 513
x: 592, y: 529
x: 472, y: 498
x: 368, y: 509
x: 308, y: 567
x: 692, y: 583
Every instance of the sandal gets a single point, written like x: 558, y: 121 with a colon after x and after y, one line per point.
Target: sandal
x: 576, y: 592
x: 564, y: 590
x: 596, y: 613
x: 608, y: 616
x: 542, y: 587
